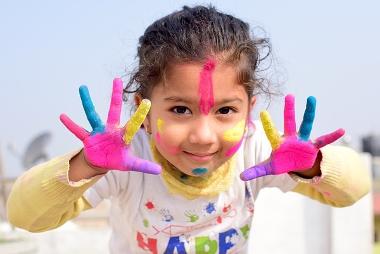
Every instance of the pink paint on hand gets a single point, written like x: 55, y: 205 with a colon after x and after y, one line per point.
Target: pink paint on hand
x: 293, y: 153
x: 113, y: 119
x: 206, y: 93
x: 329, y: 138
x: 78, y: 131
x: 107, y: 149
x: 289, y: 116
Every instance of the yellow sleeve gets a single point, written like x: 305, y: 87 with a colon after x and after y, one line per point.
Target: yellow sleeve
x: 42, y: 198
x: 344, y: 179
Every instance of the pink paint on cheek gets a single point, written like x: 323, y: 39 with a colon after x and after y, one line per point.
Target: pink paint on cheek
x: 206, y: 94
x: 170, y: 149
x: 234, y: 148
x: 160, y: 128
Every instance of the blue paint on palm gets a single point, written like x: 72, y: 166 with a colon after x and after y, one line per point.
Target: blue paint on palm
x: 199, y: 171
x: 89, y: 108
x: 308, y: 119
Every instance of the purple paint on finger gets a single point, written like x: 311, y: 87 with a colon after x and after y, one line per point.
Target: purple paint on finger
x: 140, y: 165
x: 255, y: 172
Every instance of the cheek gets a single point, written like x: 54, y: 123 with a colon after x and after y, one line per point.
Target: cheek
x: 166, y: 138
x: 233, y: 148
x: 235, y: 133
x: 234, y: 138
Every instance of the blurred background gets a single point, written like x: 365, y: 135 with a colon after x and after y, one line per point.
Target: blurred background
x: 328, y: 49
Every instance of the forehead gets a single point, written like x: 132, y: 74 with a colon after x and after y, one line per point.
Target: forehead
x: 183, y: 80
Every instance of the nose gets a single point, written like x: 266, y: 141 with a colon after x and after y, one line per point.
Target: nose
x: 203, y: 131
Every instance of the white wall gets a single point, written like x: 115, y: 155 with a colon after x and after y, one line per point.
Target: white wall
x: 291, y: 223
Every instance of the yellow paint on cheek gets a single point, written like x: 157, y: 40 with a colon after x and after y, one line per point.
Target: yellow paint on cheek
x: 234, y: 134
x: 160, y: 124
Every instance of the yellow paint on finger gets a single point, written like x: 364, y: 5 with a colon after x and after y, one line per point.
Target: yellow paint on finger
x: 235, y: 133
x: 136, y: 120
x: 270, y: 130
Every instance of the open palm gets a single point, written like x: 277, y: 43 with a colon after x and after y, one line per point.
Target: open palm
x: 108, y: 147
x: 293, y: 151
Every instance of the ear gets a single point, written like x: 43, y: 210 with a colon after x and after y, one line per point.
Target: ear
x: 251, y: 105
x: 146, y: 124
x: 138, y: 99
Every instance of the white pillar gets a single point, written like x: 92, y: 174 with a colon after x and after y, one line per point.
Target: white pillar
x: 291, y: 223
x: 352, y: 227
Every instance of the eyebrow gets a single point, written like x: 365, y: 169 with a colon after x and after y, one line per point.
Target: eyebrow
x: 188, y: 101
x: 177, y: 99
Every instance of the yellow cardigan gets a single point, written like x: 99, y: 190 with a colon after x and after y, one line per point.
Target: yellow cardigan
x: 43, y: 198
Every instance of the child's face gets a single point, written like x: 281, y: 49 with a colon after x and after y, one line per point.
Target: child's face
x: 197, y: 141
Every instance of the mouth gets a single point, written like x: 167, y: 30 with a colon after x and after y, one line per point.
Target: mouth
x: 200, y: 157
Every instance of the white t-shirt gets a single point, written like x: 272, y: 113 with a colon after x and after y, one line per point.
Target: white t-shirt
x: 146, y: 218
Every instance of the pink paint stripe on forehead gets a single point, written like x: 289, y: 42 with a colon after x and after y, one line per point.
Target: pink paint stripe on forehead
x: 206, y: 101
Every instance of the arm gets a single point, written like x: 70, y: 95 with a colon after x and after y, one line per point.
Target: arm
x: 50, y: 194
x: 43, y: 199
x: 343, y: 181
x: 333, y: 175
x: 293, y: 152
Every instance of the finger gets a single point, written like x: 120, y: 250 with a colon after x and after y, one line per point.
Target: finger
x: 89, y: 109
x: 255, y: 172
x: 116, y: 103
x: 308, y: 119
x: 270, y: 130
x: 140, y: 165
x: 136, y: 120
x: 289, y: 116
x: 75, y: 129
x: 328, y: 138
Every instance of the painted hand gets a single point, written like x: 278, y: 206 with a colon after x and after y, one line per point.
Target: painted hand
x: 291, y: 152
x: 108, y: 147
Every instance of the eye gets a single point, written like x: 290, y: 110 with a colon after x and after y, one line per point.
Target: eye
x: 226, y: 110
x: 180, y: 110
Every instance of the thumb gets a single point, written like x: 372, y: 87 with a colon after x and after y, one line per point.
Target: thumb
x: 256, y: 171
x: 140, y: 165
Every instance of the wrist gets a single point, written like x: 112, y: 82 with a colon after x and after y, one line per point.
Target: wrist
x: 95, y: 169
x: 313, y: 171
x: 81, y: 169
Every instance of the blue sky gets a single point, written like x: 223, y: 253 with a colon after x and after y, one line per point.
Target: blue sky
x: 329, y: 49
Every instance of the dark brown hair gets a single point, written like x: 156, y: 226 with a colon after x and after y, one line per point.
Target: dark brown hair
x: 194, y: 35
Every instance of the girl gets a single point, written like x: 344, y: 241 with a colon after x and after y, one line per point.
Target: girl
x: 201, y: 161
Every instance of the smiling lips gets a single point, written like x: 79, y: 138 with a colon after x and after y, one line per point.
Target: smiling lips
x: 200, y: 157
